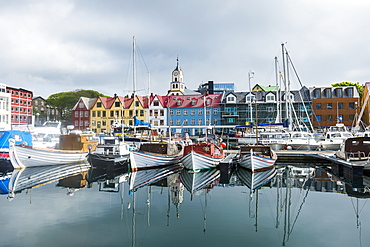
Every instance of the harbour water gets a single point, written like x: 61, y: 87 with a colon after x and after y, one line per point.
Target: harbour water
x: 291, y: 205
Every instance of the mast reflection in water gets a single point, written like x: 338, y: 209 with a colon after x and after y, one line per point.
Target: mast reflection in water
x: 288, y: 205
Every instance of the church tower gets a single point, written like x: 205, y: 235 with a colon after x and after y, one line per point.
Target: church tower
x: 177, y: 86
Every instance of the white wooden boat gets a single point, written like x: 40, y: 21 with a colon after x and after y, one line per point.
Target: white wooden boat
x: 22, y: 157
x: 257, y: 157
x: 152, y: 155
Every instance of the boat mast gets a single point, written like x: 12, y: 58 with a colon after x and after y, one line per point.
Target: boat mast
x: 278, y: 106
x: 134, y: 79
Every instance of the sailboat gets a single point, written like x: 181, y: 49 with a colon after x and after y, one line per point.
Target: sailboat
x: 257, y: 157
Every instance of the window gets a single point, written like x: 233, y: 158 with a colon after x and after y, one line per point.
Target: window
x: 104, y: 113
x: 351, y: 117
x: 208, y: 101
x: 329, y: 106
x: 171, y: 121
x: 230, y: 98
x: 185, y: 111
x: 93, y: 113
x: 117, y: 104
x: 340, y: 117
x: 81, y: 105
x: 76, y: 113
x: 155, y: 103
x: 270, y: 98
x: 193, y: 101
x: 178, y: 122
x: 81, y: 113
x: 171, y: 112
x: 329, y: 118
x: 193, y: 121
x: 141, y: 113
x: 351, y: 105
x: 318, y: 118
x: 179, y: 101
x: 340, y: 105
x: 230, y: 120
x: 111, y: 114
x: 318, y: 106
x: 99, y: 114
x: 200, y: 121
x: 178, y: 112
x: 98, y: 104
x: 192, y: 111
x: 250, y: 98
x: 215, y: 111
x: 185, y: 122
x: 200, y: 111
x: 208, y: 111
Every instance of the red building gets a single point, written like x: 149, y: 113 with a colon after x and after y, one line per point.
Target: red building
x: 21, y: 105
x: 81, y: 113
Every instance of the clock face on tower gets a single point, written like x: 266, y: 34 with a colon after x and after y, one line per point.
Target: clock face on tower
x: 175, y: 73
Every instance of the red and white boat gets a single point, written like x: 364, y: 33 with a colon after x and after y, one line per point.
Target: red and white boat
x: 202, y: 156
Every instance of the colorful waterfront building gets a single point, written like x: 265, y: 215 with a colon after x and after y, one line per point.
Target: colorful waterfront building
x: 333, y: 105
x: 21, y: 106
x: 81, y: 113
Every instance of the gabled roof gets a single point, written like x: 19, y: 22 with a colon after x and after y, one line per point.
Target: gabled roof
x: 268, y: 88
x: 162, y: 100
x: 88, y: 102
x: 107, y: 102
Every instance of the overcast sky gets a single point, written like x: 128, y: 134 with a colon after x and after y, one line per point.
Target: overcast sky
x: 56, y: 46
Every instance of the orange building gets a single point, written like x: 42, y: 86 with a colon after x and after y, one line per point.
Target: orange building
x: 332, y: 105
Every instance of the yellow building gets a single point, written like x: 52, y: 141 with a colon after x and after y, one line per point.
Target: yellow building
x: 118, y: 110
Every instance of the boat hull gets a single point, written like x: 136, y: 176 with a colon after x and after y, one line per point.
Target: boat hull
x: 140, y: 160
x: 22, y: 157
x: 197, y: 162
x: 256, y: 163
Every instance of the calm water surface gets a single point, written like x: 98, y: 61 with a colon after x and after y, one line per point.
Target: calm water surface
x: 292, y: 205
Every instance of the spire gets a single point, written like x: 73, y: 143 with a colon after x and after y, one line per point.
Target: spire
x: 177, y: 63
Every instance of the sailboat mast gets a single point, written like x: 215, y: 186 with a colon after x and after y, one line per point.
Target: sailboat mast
x: 278, y: 106
x: 134, y: 78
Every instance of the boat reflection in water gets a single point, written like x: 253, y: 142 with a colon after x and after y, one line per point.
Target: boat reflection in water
x: 195, y: 181
x: 23, y: 179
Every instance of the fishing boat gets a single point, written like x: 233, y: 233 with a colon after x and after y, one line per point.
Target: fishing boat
x: 74, y: 149
x: 204, y: 155
x: 155, y: 154
x: 110, y: 150
x: 355, y: 150
x: 257, y: 157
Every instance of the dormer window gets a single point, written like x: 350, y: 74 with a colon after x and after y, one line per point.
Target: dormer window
x: 179, y: 102
x: 231, y: 99
x: 193, y: 102
x: 250, y: 98
x: 208, y: 101
x: 270, y: 98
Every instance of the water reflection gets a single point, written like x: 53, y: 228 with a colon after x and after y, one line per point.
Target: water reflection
x: 203, y: 202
